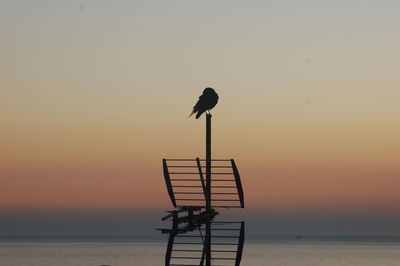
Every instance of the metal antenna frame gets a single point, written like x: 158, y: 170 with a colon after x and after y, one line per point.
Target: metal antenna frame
x: 194, y: 215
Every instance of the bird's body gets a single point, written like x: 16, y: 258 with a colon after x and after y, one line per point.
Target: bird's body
x: 206, y: 102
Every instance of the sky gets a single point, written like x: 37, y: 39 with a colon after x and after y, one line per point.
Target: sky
x: 93, y: 94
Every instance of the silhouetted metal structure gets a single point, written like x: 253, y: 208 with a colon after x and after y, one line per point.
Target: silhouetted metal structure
x: 186, y: 185
x: 195, y: 199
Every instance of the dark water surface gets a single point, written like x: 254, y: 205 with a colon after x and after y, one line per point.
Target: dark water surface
x: 143, y: 253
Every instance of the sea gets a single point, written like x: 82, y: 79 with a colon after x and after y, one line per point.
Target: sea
x: 273, y: 251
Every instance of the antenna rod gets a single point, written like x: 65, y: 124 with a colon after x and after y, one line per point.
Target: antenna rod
x: 208, y: 161
x: 208, y: 188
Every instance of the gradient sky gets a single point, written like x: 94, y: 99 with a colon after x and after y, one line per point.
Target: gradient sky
x: 93, y: 94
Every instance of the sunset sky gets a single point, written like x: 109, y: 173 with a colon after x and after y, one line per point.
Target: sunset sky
x: 93, y: 94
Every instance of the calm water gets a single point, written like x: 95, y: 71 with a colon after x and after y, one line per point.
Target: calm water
x: 284, y: 253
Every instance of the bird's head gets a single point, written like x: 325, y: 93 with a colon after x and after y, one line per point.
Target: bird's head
x: 208, y: 90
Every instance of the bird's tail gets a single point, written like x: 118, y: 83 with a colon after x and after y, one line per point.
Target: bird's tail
x: 199, y: 113
x: 192, y: 113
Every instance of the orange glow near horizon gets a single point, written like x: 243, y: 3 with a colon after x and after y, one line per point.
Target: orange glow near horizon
x: 92, y: 100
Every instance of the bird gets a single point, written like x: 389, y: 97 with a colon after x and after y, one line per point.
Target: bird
x: 206, y: 102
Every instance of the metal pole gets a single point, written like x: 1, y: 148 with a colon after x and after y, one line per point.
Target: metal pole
x: 208, y: 161
x: 208, y: 188
x: 208, y: 242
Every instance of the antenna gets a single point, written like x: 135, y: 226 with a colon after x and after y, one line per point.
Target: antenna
x: 195, y: 199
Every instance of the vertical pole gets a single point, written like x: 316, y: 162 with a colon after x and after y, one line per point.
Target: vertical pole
x: 208, y: 161
x: 208, y: 188
x: 208, y: 242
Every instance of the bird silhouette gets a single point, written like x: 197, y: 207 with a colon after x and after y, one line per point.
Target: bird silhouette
x: 206, y: 102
